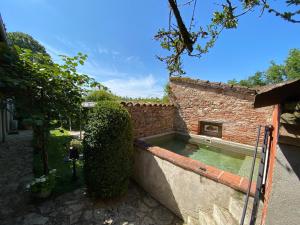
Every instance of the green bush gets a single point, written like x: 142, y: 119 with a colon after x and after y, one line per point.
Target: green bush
x: 101, y: 95
x: 76, y: 144
x: 108, y: 150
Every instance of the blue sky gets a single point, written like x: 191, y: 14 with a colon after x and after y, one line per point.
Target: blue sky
x: 118, y: 38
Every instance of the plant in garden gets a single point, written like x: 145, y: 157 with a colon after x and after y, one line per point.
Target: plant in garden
x: 108, y: 150
x: 43, y: 89
x: 76, y: 144
x: 101, y: 95
x: 42, y: 187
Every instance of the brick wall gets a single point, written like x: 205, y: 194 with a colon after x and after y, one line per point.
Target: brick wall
x: 198, y: 100
x: 151, y: 119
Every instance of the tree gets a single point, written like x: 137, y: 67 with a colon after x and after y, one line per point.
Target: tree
x: 275, y: 73
x: 292, y: 64
x: 41, y: 88
x: 53, y: 90
x: 101, y: 95
x: 194, y: 41
x: 25, y: 41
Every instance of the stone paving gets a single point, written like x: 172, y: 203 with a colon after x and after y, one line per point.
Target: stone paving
x: 137, y: 208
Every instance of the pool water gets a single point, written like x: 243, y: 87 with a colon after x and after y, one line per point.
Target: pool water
x: 230, y: 161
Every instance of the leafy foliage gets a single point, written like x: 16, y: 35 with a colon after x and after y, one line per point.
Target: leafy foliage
x: 42, y: 89
x: 25, y: 41
x: 145, y: 100
x: 57, y: 144
x: 292, y: 64
x: 101, y: 95
x: 43, y: 184
x: 76, y: 144
x: 275, y: 73
x: 195, y: 41
x: 108, y: 150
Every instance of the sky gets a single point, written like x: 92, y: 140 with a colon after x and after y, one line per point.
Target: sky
x: 118, y: 38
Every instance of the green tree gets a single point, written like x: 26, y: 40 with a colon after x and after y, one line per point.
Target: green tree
x: 41, y: 88
x: 167, y: 92
x: 292, y: 64
x: 275, y: 73
x: 25, y: 41
x: 195, y: 40
x: 101, y: 95
x: 52, y: 89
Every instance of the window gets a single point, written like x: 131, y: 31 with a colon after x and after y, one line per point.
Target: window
x: 209, y: 128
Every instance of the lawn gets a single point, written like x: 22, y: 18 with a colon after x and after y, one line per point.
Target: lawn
x: 56, y: 155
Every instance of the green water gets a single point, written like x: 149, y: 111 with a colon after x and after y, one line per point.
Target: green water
x: 230, y: 161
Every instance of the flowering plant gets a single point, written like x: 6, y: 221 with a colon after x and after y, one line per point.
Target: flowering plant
x: 43, y: 186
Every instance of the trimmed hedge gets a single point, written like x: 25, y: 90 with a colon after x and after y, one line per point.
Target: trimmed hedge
x: 108, y: 150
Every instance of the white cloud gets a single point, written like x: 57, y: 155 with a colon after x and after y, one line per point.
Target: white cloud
x: 105, y: 51
x: 132, y: 58
x: 119, y: 82
x: 135, y: 87
x: 97, y: 70
x: 53, y: 52
x: 64, y: 41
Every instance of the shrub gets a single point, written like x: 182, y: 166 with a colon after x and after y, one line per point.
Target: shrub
x: 76, y: 144
x: 108, y: 150
x: 101, y: 95
x: 44, y: 185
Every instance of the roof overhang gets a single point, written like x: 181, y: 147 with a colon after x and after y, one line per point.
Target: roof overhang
x: 277, y: 94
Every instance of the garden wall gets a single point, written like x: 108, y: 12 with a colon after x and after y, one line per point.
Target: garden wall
x: 150, y: 119
x: 198, y: 197
x: 230, y: 106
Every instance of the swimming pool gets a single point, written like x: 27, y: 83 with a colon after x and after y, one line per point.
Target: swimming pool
x: 234, y: 158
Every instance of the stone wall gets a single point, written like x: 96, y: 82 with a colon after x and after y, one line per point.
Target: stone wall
x: 232, y: 106
x: 151, y: 119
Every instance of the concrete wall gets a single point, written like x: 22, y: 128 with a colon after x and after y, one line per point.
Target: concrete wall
x: 195, y: 198
x: 284, y: 200
x: 206, y: 101
x: 151, y: 119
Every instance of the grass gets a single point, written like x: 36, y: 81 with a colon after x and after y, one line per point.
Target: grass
x: 56, y: 155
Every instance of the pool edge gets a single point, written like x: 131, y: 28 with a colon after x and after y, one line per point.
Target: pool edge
x: 234, y: 181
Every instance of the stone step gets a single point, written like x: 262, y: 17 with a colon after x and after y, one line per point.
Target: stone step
x: 223, y: 216
x: 236, y: 207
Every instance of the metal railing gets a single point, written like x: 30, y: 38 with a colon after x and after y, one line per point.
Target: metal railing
x: 250, y: 177
x: 262, y: 174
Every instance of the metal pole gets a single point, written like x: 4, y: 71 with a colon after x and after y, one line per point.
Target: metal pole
x: 250, y: 178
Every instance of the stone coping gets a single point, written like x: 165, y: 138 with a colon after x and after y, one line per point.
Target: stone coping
x: 219, y: 87
x: 130, y: 104
x: 232, y: 180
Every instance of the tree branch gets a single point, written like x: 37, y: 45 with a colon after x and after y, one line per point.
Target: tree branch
x: 185, y: 35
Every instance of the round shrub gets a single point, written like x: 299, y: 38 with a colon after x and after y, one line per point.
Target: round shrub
x: 77, y: 144
x: 108, y: 150
x: 101, y: 95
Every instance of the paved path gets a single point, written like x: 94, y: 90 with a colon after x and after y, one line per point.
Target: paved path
x: 15, y: 172
x: 137, y: 208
